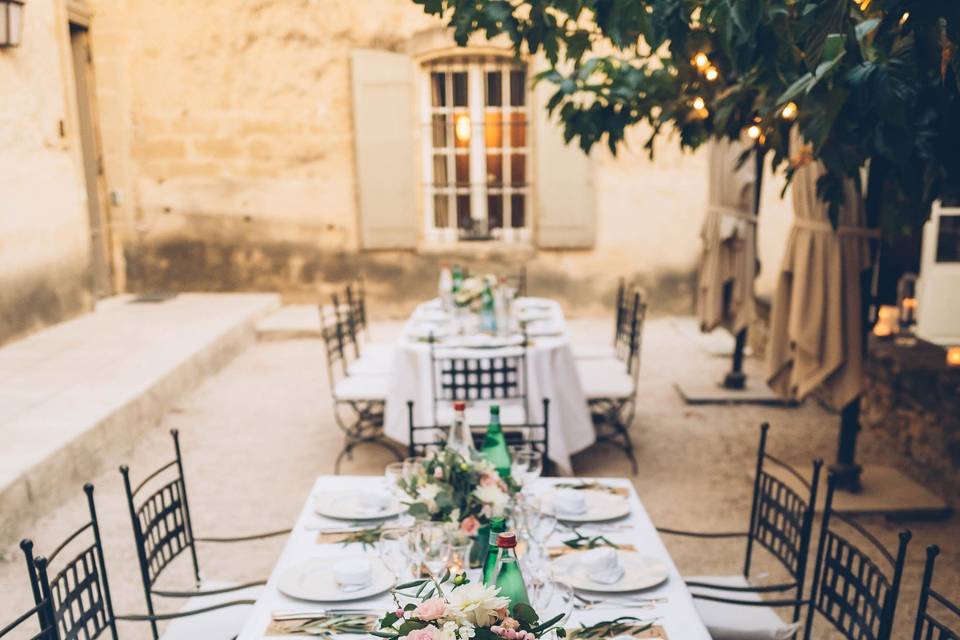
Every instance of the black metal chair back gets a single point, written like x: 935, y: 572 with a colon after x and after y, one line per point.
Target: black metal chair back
x: 357, y: 303
x: 535, y: 435
x: 849, y: 589
x: 162, y: 528
x: 930, y: 625
x: 629, y: 340
x: 332, y: 332
x: 471, y: 375
x: 78, y: 593
x: 39, y: 618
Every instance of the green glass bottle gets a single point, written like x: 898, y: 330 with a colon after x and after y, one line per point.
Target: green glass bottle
x: 495, y: 444
x: 497, y: 526
x: 457, y: 278
x: 509, y: 578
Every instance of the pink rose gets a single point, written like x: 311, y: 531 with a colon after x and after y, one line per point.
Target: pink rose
x: 438, y: 473
x: 427, y: 633
x: 431, y: 609
x: 510, y: 634
x: 489, y: 480
x: 510, y: 623
x: 470, y: 525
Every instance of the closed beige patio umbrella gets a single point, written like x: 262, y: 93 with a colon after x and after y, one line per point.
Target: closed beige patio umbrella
x: 728, y: 256
x: 816, y: 330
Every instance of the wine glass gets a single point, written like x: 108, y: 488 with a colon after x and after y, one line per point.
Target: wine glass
x: 412, y: 467
x: 541, y: 523
x: 534, y: 467
x: 393, y: 474
x: 393, y: 550
x: 519, y: 462
x: 433, y: 543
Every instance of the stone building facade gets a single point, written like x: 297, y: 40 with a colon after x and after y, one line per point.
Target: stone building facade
x: 285, y: 145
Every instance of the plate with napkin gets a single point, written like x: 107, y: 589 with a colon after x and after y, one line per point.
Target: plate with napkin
x: 610, y: 570
x: 337, y: 579
x: 357, y: 505
x: 582, y: 505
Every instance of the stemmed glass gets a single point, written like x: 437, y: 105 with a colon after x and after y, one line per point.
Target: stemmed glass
x: 394, y: 550
x: 412, y: 467
x: 393, y: 475
x: 433, y: 545
x: 519, y: 462
x: 541, y: 523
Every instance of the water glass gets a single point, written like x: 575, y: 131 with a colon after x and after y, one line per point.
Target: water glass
x: 394, y: 551
x: 519, y: 462
x: 534, y: 468
x: 433, y: 544
x: 412, y: 467
x: 393, y: 474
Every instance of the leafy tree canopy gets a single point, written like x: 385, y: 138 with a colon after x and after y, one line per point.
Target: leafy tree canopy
x: 863, y: 80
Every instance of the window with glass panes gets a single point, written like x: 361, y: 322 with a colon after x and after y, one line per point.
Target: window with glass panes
x: 476, y: 149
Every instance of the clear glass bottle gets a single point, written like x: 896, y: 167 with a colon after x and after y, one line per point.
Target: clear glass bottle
x: 496, y: 527
x: 445, y: 287
x: 495, y: 444
x: 509, y: 577
x: 488, y: 312
x: 460, y: 438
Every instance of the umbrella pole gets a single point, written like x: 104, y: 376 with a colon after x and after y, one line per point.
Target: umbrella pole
x: 736, y: 379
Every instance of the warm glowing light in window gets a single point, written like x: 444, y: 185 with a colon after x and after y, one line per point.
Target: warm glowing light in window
x: 462, y: 128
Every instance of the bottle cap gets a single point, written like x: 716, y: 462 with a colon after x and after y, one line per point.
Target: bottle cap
x: 494, y: 409
x: 507, y: 540
x: 459, y: 406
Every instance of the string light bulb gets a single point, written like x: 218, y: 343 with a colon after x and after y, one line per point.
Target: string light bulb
x: 904, y: 18
x: 953, y: 357
x: 711, y: 74
x: 753, y: 131
x: 789, y: 111
x: 701, y: 60
x: 698, y: 103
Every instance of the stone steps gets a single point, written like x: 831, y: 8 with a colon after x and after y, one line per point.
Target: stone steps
x: 75, y: 397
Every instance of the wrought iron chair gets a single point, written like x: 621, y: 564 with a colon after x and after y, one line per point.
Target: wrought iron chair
x: 370, y: 358
x: 849, y: 589
x: 930, y: 626
x: 162, y: 530
x: 358, y: 399
x: 424, y: 438
x: 43, y: 627
x: 620, y: 327
x: 781, y: 521
x: 480, y: 377
x: 78, y: 593
x: 610, y: 384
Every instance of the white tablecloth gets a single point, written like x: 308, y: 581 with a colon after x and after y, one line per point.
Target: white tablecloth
x: 678, y: 615
x: 551, y: 373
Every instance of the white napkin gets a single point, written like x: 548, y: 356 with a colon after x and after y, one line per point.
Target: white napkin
x: 569, y: 502
x: 353, y: 573
x: 372, y: 502
x: 603, y: 565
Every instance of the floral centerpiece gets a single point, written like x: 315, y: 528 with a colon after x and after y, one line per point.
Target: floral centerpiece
x: 470, y: 293
x: 469, y: 611
x: 465, y: 493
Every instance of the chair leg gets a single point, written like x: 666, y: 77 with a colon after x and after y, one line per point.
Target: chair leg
x: 617, y: 417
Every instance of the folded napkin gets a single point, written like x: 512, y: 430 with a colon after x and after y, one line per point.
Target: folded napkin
x: 602, y: 565
x: 372, y: 502
x: 353, y: 573
x: 569, y: 502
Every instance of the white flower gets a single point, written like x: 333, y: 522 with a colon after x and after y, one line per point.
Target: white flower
x: 449, y: 630
x: 427, y: 494
x: 477, y: 604
x: 492, y: 496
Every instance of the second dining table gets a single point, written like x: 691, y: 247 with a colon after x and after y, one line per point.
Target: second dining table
x: 551, y: 373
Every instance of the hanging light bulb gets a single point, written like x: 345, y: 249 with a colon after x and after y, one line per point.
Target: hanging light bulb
x: 701, y: 60
x: 462, y: 128
x: 711, y: 74
x: 698, y: 103
x: 789, y: 111
x: 904, y: 18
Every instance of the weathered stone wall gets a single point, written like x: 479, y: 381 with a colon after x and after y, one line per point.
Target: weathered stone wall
x: 232, y: 142
x: 918, y: 413
x: 44, y: 230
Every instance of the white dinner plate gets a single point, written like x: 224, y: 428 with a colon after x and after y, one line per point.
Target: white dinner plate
x: 343, y: 505
x: 601, y: 506
x: 423, y: 330
x: 639, y: 572
x: 313, y: 580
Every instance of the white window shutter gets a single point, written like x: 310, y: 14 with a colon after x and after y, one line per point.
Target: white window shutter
x: 566, y: 215
x: 383, y: 128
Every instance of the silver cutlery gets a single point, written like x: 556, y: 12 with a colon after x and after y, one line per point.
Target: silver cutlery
x: 626, y: 602
x: 583, y: 606
x: 319, y: 613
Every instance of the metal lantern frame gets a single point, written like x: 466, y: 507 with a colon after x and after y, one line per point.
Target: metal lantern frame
x: 11, y: 23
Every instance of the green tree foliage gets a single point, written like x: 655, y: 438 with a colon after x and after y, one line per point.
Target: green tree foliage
x: 867, y: 82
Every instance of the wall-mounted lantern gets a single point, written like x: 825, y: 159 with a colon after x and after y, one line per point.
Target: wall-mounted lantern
x: 11, y: 23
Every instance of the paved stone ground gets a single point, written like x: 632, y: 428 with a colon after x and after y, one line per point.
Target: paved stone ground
x: 256, y: 434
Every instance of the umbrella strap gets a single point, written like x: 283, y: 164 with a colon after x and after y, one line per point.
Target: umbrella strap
x: 843, y: 230
x: 746, y: 216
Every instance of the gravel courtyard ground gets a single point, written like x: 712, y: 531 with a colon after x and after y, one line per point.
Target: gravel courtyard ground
x: 255, y: 435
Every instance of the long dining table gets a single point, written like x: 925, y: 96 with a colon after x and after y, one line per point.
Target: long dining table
x: 676, y: 614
